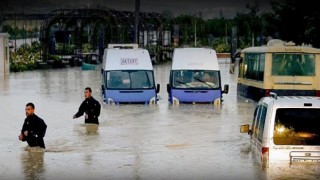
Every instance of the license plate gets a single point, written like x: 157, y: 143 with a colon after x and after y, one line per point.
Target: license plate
x: 305, y: 156
x: 305, y: 160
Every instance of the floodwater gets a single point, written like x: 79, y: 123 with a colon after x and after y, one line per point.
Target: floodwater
x: 132, y: 141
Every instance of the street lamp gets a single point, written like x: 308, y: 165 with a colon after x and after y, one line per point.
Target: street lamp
x: 195, y: 29
x: 195, y: 33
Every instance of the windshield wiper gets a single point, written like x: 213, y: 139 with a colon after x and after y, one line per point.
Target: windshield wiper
x: 203, y: 82
x: 181, y: 82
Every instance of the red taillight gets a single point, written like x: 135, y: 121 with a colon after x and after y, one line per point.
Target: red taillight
x: 265, y: 150
x: 318, y: 93
x: 265, y: 155
x: 267, y: 93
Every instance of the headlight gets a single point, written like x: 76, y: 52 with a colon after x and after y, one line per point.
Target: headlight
x: 217, y: 102
x: 175, y: 101
x: 110, y: 101
x: 152, y: 100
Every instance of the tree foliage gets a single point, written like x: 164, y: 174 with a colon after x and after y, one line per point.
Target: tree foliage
x: 290, y: 20
x: 297, y: 21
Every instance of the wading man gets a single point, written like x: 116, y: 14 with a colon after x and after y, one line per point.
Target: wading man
x: 33, y: 129
x: 90, y: 107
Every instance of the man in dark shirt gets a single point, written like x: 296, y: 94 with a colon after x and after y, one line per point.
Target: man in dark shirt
x: 33, y: 129
x: 90, y: 107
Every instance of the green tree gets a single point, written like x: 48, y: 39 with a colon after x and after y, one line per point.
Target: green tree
x: 297, y: 21
x: 249, y: 24
x: 7, y: 28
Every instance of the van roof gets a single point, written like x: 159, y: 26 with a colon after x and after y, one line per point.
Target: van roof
x: 194, y: 59
x: 126, y: 59
x: 293, y: 101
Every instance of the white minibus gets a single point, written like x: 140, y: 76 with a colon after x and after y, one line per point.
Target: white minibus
x: 195, y: 77
x: 128, y: 76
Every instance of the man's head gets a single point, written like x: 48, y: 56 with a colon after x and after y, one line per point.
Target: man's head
x: 87, y: 92
x: 29, y: 109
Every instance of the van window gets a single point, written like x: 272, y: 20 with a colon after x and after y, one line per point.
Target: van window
x: 262, y: 119
x: 195, y: 79
x: 254, y: 66
x: 297, y: 126
x: 255, y: 121
x: 259, y: 121
x: 293, y: 64
x: 130, y: 79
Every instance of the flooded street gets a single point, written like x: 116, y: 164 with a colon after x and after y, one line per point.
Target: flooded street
x: 132, y: 141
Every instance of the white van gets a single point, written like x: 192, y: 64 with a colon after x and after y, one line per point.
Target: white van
x: 195, y: 77
x: 286, y: 129
x: 128, y: 76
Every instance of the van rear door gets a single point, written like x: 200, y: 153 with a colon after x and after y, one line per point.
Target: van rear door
x: 296, y: 135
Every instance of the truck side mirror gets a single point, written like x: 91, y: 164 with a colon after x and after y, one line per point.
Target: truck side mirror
x: 226, y: 89
x: 158, y: 88
x: 168, y: 88
x: 245, y: 128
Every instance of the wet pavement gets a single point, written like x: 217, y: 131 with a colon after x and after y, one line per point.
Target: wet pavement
x: 132, y: 141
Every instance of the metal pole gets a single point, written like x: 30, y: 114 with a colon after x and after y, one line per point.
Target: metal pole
x: 136, y: 31
x: 195, y: 32
x: 226, y: 34
x: 15, y: 33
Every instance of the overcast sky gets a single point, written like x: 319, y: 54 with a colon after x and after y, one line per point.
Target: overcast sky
x: 208, y: 8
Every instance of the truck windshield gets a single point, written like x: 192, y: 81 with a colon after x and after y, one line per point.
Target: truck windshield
x: 130, y: 79
x: 195, y: 79
x: 297, y: 126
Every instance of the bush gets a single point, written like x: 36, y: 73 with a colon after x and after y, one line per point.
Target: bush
x: 24, y: 59
x: 220, y: 46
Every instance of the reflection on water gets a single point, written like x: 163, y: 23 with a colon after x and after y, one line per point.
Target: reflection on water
x: 32, y: 163
x: 92, y: 129
x: 87, y: 129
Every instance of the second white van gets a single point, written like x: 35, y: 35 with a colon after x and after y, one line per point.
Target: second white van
x: 285, y: 129
x: 195, y: 77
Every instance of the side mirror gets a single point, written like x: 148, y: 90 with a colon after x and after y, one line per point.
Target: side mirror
x: 225, y: 89
x: 245, y: 128
x: 101, y: 71
x: 158, y: 88
x: 102, y: 89
x: 168, y: 88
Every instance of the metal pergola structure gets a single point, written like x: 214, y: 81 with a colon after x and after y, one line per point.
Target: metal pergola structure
x: 106, y: 25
